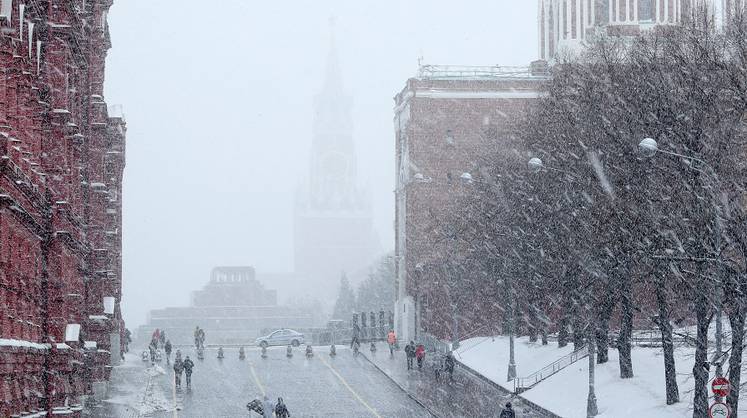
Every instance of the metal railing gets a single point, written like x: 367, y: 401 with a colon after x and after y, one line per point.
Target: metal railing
x: 475, y: 72
x: 433, y: 344
x: 522, y: 384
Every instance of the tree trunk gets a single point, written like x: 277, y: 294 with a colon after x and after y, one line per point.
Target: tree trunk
x: 603, y: 328
x: 624, y: 345
x: 579, y: 337
x: 533, y: 335
x: 563, y: 331
x: 665, y: 326
x: 543, y: 334
x: 700, y: 369
x: 603, y: 343
x: 736, y: 320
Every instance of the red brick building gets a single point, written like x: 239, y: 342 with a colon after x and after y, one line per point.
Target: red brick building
x: 61, y: 163
x: 445, y: 119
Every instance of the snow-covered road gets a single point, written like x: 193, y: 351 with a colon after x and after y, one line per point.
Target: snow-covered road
x: 342, y: 386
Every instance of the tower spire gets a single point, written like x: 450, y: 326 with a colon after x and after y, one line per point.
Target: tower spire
x: 333, y: 76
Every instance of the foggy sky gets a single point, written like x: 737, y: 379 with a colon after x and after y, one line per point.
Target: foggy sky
x: 218, y: 100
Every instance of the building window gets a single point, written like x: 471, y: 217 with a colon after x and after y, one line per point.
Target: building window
x: 646, y: 10
x: 601, y: 11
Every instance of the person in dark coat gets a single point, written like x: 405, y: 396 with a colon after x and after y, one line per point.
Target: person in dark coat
x: 178, y: 369
x: 281, y: 411
x: 449, y: 365
x: 188, y: 365
x: 152, y: 351
x: 167, y: 349
x: 410, y: 353
x: 508, y: 411
x: 202, y: 338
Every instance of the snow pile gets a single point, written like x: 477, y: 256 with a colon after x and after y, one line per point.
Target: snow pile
x: 155, y: 400
x: 155, y: 371
x: 489, y: 356
x: 565, y: 393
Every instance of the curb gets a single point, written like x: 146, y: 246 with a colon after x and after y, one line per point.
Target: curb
x: 409, y: 395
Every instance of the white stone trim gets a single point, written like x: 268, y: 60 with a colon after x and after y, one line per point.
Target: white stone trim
x: 450, y: 94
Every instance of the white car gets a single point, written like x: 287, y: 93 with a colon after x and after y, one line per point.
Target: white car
x: 281, y: 337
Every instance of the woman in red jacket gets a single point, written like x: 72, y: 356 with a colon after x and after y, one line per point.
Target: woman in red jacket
x: 420, y: 355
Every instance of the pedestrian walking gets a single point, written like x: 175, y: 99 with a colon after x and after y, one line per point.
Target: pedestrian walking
x: 420, y: 355
x: 152, y: 351
x: 281, y: 411
x: 410, y: 354
x: 508, y: 411
x: 391, y: 339
x: 178, y: 369
x: 449, y: 363
x: 167, y: 349
x: 202, y: 338
x: 267, y: 407
x: 188, y: 366
x: 197, y: 337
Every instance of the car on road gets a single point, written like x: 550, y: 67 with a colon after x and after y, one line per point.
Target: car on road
x: 281, y: 337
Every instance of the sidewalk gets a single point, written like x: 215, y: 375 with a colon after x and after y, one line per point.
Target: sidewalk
x: 133, y: 391
x: 467, y: 395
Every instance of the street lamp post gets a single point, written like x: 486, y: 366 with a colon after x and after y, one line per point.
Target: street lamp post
x: 511, y: 319
x: 591, y: 401
x: 648, y: 148
x: 535, y: 165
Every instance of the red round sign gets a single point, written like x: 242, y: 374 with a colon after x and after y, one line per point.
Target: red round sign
x: 720, y: 386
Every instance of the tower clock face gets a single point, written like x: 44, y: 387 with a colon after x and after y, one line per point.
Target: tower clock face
x: 335, y: 165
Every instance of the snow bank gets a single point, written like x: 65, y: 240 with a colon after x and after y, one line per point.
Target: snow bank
x: 565, y: 393
x: 641, y: 396
x: 489, y: 356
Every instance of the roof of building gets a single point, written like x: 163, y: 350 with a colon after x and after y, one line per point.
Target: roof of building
x: 470, y: 72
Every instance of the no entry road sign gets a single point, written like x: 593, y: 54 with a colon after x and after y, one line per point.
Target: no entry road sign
x: 720, y: 386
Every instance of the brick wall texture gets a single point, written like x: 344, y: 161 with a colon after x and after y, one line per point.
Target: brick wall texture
x: 61, y: 163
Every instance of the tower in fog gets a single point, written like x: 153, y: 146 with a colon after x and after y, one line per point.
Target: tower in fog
x: 333, y: 229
